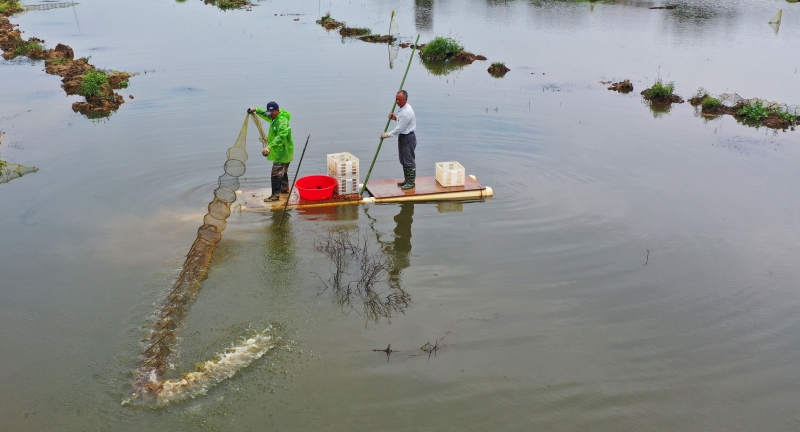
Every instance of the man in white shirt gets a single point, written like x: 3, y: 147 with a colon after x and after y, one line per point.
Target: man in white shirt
x: 406, y: 139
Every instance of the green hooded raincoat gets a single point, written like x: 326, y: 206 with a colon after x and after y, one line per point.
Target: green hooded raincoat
x: 281, y: 145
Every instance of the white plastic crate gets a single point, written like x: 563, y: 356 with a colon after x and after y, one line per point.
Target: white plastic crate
x: 347, y: 186
x: 449, y: 206
x: 344, y: 168
x: 450, y: 174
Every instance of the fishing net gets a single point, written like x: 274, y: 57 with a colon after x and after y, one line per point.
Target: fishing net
x: 168, y: 317
x: 734, y: 100
x: 394, y: 30
x: 9, y: 171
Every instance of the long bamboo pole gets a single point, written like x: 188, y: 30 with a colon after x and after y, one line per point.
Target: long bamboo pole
x: 294, y: 181
x: 363, y: 188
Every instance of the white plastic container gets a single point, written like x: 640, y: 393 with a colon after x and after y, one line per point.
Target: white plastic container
x: 344, y: 168
x: 450, y: 174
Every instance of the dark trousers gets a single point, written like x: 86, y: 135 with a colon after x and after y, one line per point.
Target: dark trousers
x: 280, y: 177
x: 406, y: 145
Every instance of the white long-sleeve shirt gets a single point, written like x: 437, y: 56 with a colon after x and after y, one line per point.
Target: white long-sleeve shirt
x: 406, y: 121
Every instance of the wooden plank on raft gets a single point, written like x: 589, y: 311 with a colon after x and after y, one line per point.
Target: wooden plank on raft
x: 424, y: 186
x: 254, y: 200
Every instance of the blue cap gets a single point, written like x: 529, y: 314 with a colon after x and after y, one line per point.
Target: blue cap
x: 272, y: 106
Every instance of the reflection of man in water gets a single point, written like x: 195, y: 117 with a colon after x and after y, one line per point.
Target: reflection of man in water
x: 280, y: 248
x: 400, y: 248
x: 406, y: 139
x: 424, y: 15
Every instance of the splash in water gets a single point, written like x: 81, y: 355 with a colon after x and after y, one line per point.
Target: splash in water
x: 149, y: 383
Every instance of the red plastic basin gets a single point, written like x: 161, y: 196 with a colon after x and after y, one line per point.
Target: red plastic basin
x: 316, y: 187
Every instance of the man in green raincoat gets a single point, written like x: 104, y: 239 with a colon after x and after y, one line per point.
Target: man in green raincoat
x: 280, y: 147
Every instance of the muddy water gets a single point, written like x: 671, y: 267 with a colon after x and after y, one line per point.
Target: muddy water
x: 545, y: 312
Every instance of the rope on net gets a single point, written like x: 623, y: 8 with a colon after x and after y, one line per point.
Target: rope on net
x: 149, y: 382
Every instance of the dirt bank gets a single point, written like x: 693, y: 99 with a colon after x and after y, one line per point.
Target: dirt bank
x: 771, y: 118
x: 498, y: 69
x: 623, y: 86
x: 411, y: 45
x: 329, y: 23
x: 354, y: 31
x: 229, y: 4
x: 378, y: 39
x: 98, y: 90
x: 466, y: 57
x: 665, y: 99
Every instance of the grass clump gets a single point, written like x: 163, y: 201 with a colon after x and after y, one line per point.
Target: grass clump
x: 785, y: 115
x: 662, y: 93
x: 328, y: 22
x: 498, y: 69
x: 660, y: 90
x: 10, y: 7
x: 354, y: 31
x: 232, y: 4
x: 755, y: 112
x: 325, y: 19
x: 770, y: 117
x: 27, y: 47
x: 710, y: 103
x: 92, y: 84
x: 57, y: 60
x: 440, y: 48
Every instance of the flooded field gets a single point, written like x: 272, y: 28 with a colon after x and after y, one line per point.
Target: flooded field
x: 635, y: 269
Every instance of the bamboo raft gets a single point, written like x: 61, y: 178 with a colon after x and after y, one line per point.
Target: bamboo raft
x: 380, y: 191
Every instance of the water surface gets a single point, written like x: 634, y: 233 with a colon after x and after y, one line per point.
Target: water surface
x: 545, y: 312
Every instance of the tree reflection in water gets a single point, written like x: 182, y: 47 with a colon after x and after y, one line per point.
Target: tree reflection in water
x: 374, y: 277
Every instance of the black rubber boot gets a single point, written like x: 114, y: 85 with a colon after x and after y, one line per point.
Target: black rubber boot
x: 405, y: 177
x: 276, y: 189
x: 285, y: 183
x: 410, y: 177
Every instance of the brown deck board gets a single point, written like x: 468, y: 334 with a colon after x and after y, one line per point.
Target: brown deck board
x: 254, y: 200
x: 424, y: 186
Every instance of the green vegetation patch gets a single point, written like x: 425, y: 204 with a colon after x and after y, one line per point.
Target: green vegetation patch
x: 231, y: 4
x: 92, y: 84
x: 785, y: 115
x: 354, y: 31
x: 328, y: 22
x: 378, y: 38
x: 440, y: 49
x: 710, y: 103
x: 26, y: 47
x: 57, y: 60
x: 660, y: 90
x: 757, y: 112
x: 10, y: 7
x: 499, y: 64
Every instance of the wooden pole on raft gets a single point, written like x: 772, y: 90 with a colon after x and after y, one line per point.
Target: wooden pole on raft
x: 363, y: 188
x: 294, y: 181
